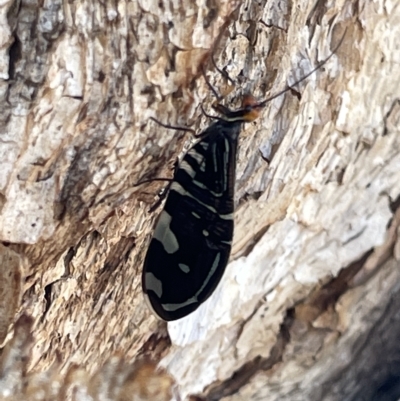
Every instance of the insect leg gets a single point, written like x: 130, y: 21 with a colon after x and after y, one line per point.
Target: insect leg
x: 184, y: 129
x: 162, y: 194
x: 272, y: 26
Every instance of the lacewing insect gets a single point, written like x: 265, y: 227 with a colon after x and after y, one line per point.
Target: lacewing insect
x: 193, y: 236
x: 192, y: 239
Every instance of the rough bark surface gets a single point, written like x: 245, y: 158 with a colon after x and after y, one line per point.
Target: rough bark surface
x: 307, y: 309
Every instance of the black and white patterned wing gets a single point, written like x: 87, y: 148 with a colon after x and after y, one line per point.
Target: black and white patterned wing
x: 192, y: 240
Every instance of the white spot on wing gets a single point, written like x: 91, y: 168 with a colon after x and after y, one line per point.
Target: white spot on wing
x: 226, y: 163
x: 202, y: 186
x: 184, y: 268
x: 174, y: 307
x: 178, y: 188
x: 204, y: 145
x: 214, y: 153
x: 185, y: 166
x: 199, y: 159
x: 210, y: 274
x: 206, y: 233
x: 153, y: 283
x: 228, y: 216
x: 164, y: 234
x: 196, y: 156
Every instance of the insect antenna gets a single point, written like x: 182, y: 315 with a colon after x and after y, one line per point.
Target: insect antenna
x: 290, y: 87
x: 162, y: 194
x: 212, y: 89
x: 221, y: 71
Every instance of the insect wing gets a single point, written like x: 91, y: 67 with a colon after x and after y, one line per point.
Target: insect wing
x: 190, y: 248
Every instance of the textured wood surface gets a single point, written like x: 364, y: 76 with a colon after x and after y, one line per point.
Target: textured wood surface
x: 312, y: 285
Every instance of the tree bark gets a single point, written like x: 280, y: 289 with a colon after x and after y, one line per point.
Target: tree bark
x: 307, y: 308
